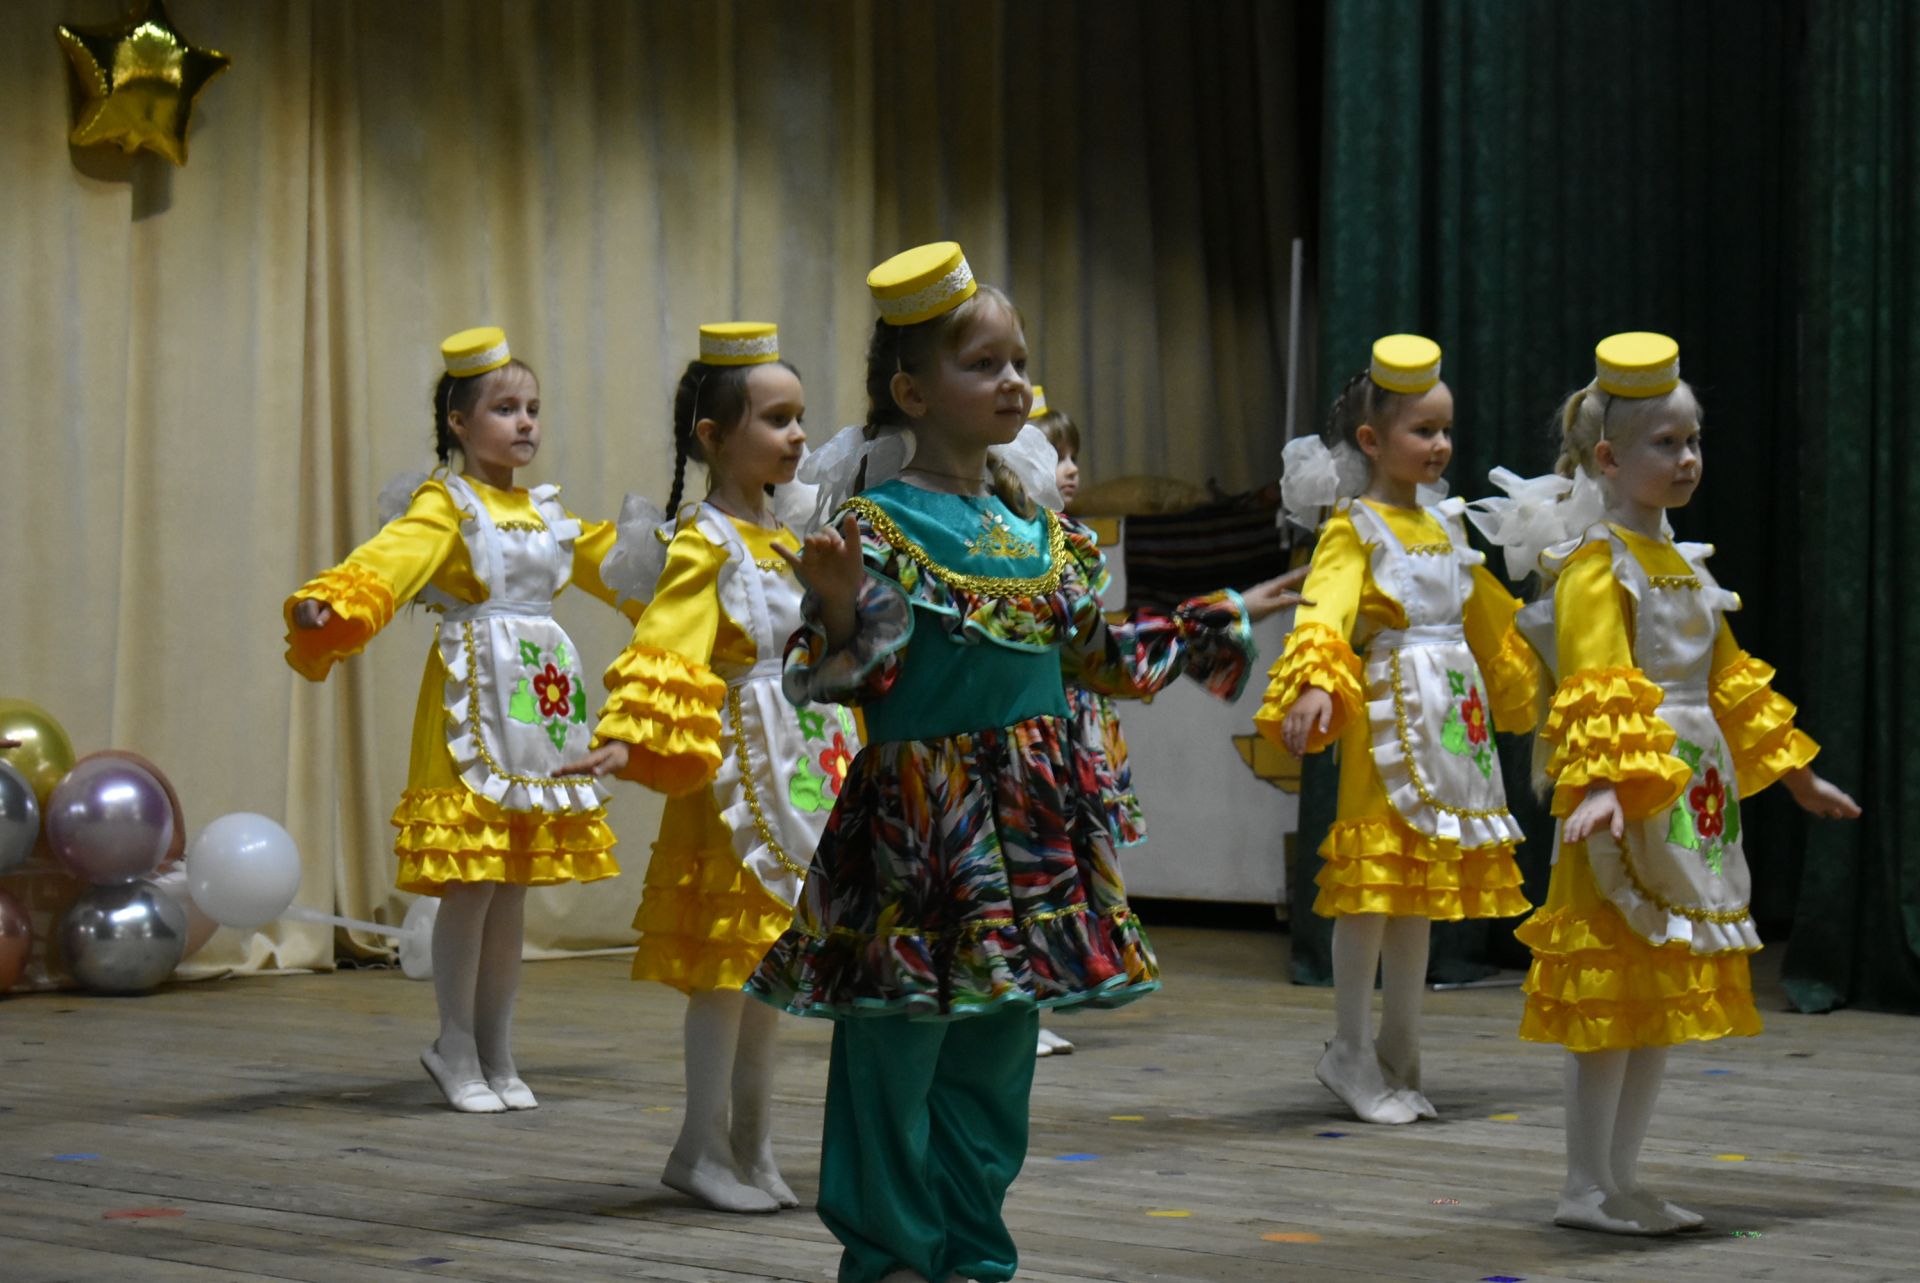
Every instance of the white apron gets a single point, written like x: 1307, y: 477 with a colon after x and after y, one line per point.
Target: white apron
x: 1430, y: 721
x: 1681, y: 874
x: 781, y: 766
x: 515, y: 699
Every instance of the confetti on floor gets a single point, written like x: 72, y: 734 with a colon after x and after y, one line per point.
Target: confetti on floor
x: 1729, y: 1158
x: 657, y: 1109
x: 74, y: 1158
x: 1745, y: 1234
x: 1329, y: 1135
x: 1716, y: 1071
x: 431, y: 1260
x: 1444, y: 1202
x: 1291, y: 1237
x: 141, y: 1213
x: 1503, y: 1118
x: 1077, y: 1158
x: 1170, y: 1214
x: 1127, y: 1118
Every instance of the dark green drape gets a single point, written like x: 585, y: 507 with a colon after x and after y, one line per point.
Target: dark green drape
x: 1856, y: 932
x: 1518, y: 179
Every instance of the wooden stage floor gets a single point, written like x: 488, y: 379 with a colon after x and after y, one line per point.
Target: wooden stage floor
x: 279, y: 1128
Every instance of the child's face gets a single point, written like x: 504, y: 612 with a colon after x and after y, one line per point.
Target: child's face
x: 502, y: 431
x: 1417, y: 446
x: 979, y: 390
x: 765, y: 449
x: 1660, y: 468
x: 1066, y: 475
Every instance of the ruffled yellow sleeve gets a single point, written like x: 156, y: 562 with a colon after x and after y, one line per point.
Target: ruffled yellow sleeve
x: 1513, y: 671
x: 379, y: 575
x: 1317, y: 652
x: 589, y: 550
x: 664, y: 701
x: 1756, y: 719
x: 1602, y: 725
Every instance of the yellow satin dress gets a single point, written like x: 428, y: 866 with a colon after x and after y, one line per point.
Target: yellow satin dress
x: 1594, y: 984
x: 704, y: 920
x: 446, y: 832
x: 1375, y: 861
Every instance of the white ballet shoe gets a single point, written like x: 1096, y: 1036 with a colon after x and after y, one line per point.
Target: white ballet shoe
x: 761, y: 1172
x: 1683, y: 1220
x: 513, y: 1093
x: 1052, y: 1044
x: 715, y: 1185
x: 468, y: 1095
x: 1403, y: 1080
x: 1357, y: 1081
x: 1595, y: 1209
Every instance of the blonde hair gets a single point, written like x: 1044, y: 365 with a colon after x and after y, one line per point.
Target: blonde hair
x: 1593, y: 415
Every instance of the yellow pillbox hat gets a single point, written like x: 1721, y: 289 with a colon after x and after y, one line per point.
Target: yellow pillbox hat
x: 919, y: 284
x: 739, y: 343
x: 475, y: 351
x: 1637, y: 364
x: 1405, y: 363
x: 1039, y: 402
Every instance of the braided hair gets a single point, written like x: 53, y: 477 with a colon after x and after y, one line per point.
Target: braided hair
x: 717, y: 392
x: 456, y: 394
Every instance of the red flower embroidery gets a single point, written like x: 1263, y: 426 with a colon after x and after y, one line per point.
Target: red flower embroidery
x: 1709, y: 803
x: 834, y: 760
x: 1473, y: 711
x: 554, y: 690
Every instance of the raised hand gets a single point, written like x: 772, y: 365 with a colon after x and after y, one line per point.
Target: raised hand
x: 608, y: 759
x: 1311, y: 714
x: 311, y: 613
x: 829, y: 563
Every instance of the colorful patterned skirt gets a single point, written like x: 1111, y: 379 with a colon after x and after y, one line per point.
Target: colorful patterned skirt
x: 957, y: 876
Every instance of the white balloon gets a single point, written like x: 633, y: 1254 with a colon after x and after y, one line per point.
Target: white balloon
x: 243, y: 870
x: 416, y: 945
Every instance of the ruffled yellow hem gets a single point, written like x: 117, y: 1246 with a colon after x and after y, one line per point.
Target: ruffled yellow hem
x: 666, y: 707
x: 704, y: 921
x: 1315, y: 655
x: 1758, y: 724
x: 1380, y: 864
x: 455, y: 835
x: 362, y: 605
x: 1603, y: 728
x: 1514, y: 676
x: 1596, y: 986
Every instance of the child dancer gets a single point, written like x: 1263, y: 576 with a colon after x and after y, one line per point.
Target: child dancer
x: 1659, y: 726
x: 964, y: 881
x: 1423, y: 831
x: 696, y: 712
x: 483, y: 817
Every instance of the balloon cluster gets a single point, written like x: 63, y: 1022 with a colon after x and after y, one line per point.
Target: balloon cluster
x: 113, y: 820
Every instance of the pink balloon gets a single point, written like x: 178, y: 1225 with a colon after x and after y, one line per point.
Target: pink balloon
x: 109, y: 821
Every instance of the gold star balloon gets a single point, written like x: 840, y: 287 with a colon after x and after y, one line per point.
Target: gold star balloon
x: 140, y: 78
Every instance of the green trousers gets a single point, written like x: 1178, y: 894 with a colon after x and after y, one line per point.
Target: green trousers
x: 926, y: 1128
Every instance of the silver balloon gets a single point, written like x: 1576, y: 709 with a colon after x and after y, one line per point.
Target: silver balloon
x: 109, y: 820
x: 123, y: 938
x: 19, y: 818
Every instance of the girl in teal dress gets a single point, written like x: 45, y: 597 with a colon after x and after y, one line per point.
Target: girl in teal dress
x: 965, y: 880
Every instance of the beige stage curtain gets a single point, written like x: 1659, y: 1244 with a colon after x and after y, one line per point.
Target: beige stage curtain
x: 210, y: 371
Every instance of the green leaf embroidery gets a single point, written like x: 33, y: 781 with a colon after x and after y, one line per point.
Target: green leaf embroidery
x: 520, y: 708
x: 1680, y: 828
x: 845, y: 715
x: 1689, y: 753
x: 806, y: 787
x: 812, y: 725
x: 1453, y: 734
x: 1458, y: 681
x: 1716, y: 854
x: 560, y: 657
x: 1731, y: 833
x: 579, y: 707
x: 1483, y: 758
x: 557, y: 732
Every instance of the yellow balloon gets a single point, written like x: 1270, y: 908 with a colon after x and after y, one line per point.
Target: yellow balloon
x: 140, y: 78
x: 44, y: 754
